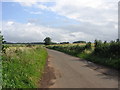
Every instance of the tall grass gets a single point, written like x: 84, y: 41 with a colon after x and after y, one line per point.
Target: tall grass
x: 23, y: 66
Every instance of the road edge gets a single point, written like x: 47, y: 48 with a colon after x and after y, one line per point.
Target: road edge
x: 48, y: 75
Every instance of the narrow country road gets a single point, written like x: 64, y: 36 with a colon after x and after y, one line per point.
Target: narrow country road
x: 72, y: 72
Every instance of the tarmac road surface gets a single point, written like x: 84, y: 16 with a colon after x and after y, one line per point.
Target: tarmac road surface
x: 72, y: 72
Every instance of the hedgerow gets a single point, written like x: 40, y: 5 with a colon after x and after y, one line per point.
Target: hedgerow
x: 103, y: 53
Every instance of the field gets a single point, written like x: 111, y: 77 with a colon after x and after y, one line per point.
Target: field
x: 106, y: 54
x: 23, y: 65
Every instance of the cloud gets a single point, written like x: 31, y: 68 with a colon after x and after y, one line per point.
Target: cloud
x: 9, y: 23
x: 43, y: 7
x: 29, y: 32
x: 92, y: 11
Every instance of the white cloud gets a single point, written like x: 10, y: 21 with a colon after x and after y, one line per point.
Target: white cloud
x: 92, y: 11
x: 30, y: 32
x: 42, y: 6
x: 9, y: 23
x: 29, y: 24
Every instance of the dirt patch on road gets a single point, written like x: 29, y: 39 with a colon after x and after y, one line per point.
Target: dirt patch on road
x: 48, y: 76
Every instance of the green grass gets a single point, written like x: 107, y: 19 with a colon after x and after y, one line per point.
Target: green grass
x: 23, y: 66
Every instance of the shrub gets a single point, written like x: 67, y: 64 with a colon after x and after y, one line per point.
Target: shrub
x: 107, y: 49
x: 88, y: 45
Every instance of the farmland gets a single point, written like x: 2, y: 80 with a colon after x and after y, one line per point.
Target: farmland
x: 102, y: 53
x: 23, y: 65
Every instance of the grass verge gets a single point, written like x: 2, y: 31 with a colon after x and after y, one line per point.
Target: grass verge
x: 22, y: 67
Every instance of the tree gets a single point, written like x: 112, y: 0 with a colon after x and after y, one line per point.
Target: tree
x: 47, y: 41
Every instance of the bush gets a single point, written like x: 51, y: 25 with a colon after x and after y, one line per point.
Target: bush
x: 88, y: 45
x: 111, y: 49
x: 69, y: 49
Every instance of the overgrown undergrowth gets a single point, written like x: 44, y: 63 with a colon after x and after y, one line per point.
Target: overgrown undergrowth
x: 22, y: 67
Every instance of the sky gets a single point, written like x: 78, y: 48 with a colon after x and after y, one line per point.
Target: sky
x: 61, y: 20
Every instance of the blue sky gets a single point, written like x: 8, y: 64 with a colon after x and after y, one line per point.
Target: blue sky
x: 62, y: 21
x: 12, y: 11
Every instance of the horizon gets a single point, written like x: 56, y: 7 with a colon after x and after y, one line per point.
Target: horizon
x: 60, y: 42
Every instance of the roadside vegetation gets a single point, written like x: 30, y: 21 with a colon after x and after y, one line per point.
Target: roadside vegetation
x: 23, y: 65
x: 98, y: 52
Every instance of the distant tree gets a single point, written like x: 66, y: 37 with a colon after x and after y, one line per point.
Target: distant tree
x: 64, y: 42
x: 79, y: 42
x: 47, y: 41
